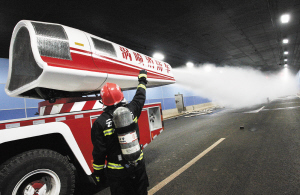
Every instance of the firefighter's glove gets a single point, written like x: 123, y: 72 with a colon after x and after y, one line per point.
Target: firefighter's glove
x: 99, y: 177
x: 143, y: 76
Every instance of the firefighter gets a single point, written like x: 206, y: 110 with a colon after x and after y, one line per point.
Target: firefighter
x: 124, y: 177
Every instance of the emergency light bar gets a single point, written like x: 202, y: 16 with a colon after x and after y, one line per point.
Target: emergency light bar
x: 49, y: 60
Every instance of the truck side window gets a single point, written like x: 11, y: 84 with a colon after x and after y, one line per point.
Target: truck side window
x: 104, y: 47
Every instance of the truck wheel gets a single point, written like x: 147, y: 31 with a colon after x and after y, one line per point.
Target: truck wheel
x: 39, y: 172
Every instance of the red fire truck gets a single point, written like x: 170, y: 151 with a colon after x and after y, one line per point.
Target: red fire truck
x: 66, y: 67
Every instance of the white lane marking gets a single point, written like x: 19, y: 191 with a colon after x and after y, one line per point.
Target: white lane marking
x: 182, y: 169
x: 286, y: 108
x: 262, y: 109
x: 256, y: 111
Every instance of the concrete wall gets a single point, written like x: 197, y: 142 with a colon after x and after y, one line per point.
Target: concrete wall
x: 13, y: 108
x: 199, y: 107
x: 298, y: 80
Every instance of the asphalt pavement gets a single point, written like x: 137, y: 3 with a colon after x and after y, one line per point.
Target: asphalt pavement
x: 229, y: 151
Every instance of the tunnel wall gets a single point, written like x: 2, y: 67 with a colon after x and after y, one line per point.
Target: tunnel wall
x: 13, y: 108
x: 298, y: 81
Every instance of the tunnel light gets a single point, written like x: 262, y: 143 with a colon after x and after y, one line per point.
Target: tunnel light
x: 286, y: 65
x: 158, y: 56
x: 208, y: 68
x: 285, y: 60
x: 285, y: 41
x: 286, y: 53
x: 285, y: 18
x: 190, y: 64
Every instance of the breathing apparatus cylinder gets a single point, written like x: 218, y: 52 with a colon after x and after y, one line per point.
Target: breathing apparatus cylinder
x: 128, y: 139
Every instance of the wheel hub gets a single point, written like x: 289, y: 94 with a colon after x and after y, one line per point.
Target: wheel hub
x: 38, y: 182
x: 36, y: 188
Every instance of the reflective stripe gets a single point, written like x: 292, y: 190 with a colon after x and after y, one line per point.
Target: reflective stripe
x: 108, y: 131
x: 142, y: 86
x: 114, y: 166
x: 98, y: 167
x: 141, y: 156
x: 135, y: 120
x: 142, y: 75
x: 119, y: 166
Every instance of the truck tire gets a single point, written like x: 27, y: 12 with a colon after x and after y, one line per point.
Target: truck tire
x: 38, y: 171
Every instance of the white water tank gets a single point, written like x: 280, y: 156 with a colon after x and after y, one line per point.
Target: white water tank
x: 49, y: 60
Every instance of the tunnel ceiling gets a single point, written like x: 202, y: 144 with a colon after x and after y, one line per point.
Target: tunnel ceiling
x: 222, y: 32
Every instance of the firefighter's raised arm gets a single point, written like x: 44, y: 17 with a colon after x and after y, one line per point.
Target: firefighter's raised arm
x: 139, y: 98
